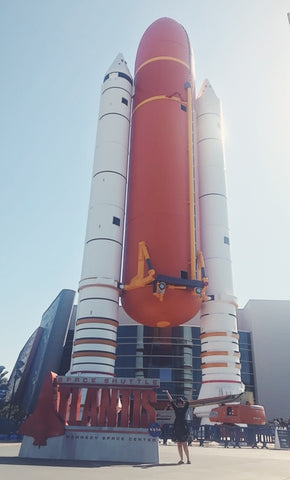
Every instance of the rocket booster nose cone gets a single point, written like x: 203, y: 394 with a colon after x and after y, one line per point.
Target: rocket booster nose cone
x: 119, y: 65
x: 205, y: 87
x: 207, y: 99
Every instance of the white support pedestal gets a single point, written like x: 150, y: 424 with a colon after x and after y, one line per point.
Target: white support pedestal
x: 124, y: 445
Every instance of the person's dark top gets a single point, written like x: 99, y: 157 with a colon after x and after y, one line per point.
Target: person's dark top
x: 180, y: 430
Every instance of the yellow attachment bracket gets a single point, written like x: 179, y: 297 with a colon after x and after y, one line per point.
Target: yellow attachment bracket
x: 201, y: 268
x: 140, y: 280
x: 191, y: 183
x: 162, y: 284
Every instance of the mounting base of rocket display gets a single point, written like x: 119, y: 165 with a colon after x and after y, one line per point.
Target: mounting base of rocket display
x: 102, y: 445
x: 81, y: 418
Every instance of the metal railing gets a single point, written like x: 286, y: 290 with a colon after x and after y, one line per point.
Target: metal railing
x: 259, y: 436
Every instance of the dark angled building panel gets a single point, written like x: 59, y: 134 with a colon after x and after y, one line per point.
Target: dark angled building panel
x: 48, y: 354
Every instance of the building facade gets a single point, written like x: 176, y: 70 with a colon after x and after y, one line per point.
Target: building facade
x: 170, y: 354
x: 268, y: 322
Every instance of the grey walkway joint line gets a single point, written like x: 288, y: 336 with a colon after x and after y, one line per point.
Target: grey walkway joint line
x: 209, y: 462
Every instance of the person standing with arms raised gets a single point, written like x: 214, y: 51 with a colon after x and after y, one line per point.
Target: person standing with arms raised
x: 180, y: 430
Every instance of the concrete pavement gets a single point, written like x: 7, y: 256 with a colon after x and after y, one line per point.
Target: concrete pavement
x: 209, y: 462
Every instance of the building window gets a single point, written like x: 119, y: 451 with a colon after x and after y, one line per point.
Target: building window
x: 226, y: 240
x: 183, y: 107
x: 165, y: 374
x: 125, y: 101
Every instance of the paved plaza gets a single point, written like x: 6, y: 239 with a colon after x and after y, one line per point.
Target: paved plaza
x: 208, y: 462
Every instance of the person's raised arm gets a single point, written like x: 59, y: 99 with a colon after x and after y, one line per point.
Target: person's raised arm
x: 168, y: 395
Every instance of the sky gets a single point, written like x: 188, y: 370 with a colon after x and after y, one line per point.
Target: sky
x: 54, y: 54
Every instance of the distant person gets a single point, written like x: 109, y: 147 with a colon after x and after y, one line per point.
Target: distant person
x: 180, y: 430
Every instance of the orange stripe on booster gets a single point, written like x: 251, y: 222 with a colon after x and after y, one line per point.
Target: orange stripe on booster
x: 213, y: 334
x: 81, y: 321
x: 94, y: 354
x: 214, y: 365
x: 219, y: 334
x: 208, y: 354
x: 220, y: 352
x: 84, y: 341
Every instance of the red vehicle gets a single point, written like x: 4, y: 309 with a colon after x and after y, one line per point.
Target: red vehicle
x: 238, y: 414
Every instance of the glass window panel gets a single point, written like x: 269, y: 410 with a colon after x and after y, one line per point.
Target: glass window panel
x: 247, y: 367
x: 196, y: 362
x: 247, y: 378
x: 246, y: 355
x: 165, y: 374
x: 245, y: 337
x: 196, y: 350
x: 196, y: 332
x: 125, y: 372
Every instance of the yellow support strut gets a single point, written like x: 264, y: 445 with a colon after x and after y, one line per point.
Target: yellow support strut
x: 191, y: 185
x: 139, y: 280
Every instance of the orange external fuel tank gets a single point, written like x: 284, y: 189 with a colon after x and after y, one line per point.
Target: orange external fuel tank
x: 162, y: 285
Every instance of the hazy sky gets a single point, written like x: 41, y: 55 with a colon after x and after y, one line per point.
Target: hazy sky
x: 54, y: 54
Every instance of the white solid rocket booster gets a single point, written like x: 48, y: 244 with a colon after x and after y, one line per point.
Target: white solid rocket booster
x: 95, y: 341
x: 220, y: 357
